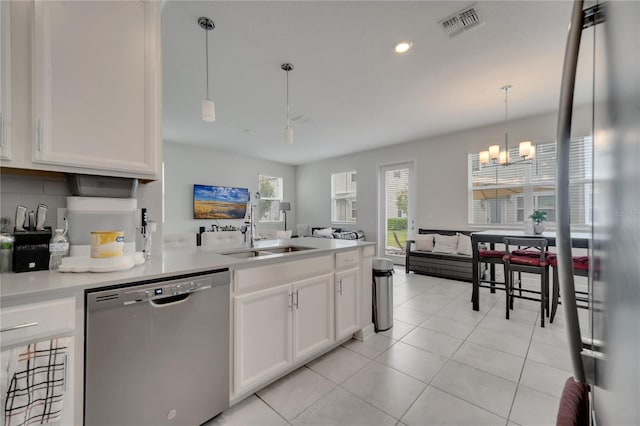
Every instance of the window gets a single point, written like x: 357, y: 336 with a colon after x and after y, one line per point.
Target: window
x: 270, y: 189
x: 508, y: 195
x: 343, y: 197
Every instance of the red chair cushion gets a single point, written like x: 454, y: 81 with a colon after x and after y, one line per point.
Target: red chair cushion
x: 579, y: 262
x: 491, y: 253
x: 574, y: 404
x: 525, y: 260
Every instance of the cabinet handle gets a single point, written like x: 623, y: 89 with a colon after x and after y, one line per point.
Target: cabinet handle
x: 19, y: 326
x: 297, y: 303
x: 340, y: 287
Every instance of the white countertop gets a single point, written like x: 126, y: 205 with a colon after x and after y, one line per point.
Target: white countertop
x: 22, y: 287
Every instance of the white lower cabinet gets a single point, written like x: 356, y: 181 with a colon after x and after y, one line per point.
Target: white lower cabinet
x: 312, y: 315
x: 262, y: 333
x: 347, y: 291
x: 277, y: 327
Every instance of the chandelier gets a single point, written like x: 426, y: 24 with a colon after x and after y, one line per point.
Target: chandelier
x: 494, y: 156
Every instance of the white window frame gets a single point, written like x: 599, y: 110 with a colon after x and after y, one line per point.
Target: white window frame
x: 350, y: 195
x: 277, y: 197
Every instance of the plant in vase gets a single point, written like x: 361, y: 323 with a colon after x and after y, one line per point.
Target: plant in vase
x: 538, y: 216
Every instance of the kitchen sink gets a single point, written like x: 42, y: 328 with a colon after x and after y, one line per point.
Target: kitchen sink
x: 266, y: 251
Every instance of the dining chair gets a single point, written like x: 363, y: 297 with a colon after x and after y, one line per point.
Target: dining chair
x: 581, y: 269
x: 532, y: 259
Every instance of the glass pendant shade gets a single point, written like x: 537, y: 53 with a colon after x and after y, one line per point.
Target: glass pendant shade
x: 288, y: 135
x: 208, y: 111
x: 524, y: 149
x: 484, y: 157
x: 494, y: 152
x: 532, y: 153
x: 504, y: 157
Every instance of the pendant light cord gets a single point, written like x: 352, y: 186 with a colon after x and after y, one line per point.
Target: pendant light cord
x: 288, y: 122
x: 206, y: 43
x: 506, y: 119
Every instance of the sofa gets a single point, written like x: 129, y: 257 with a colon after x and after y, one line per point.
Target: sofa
x: 325, y: 232
x: 455, y: 264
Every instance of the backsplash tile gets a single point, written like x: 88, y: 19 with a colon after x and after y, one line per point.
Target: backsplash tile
x: 29, y: 191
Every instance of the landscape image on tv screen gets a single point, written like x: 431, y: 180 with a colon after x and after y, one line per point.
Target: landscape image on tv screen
x: 219, y: 202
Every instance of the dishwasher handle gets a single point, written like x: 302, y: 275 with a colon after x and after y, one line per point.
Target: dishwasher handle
x: 169, y: 300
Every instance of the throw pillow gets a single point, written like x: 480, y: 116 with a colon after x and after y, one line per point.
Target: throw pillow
x: 424, y: 242
x: 445, y: 244
x: 464, y: 244
x: 324, y: 232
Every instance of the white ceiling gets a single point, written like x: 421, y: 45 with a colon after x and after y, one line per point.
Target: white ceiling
x: 349, y: 90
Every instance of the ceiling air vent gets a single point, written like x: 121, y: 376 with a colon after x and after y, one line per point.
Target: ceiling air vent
x: 461, y: 22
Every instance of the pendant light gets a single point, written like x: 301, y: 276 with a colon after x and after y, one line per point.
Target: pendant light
x: 288, y: 131
x: 526, y: 150
x: 208, y: 107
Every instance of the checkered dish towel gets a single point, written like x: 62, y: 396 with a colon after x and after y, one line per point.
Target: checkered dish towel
x: 36, y: 383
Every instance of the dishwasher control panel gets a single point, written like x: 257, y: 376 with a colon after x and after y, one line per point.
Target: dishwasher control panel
x: 166, y: 290
x: 149, y: 292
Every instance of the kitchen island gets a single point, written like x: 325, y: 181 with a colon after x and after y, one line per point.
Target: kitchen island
x: 277, y: 284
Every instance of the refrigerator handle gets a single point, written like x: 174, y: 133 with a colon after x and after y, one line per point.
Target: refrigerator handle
x: 563, y: 230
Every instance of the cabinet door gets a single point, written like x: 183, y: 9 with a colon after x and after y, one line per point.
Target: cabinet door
x: 96, y: 85
x: 347, y: 303
x: 262, y: 333
x: 312, y: 315
x: 5, y: 80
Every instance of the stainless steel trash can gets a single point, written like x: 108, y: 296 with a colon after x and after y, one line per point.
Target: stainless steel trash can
x: 382, y: 293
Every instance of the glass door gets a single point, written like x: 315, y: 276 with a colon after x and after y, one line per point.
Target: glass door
x: 396, y: 210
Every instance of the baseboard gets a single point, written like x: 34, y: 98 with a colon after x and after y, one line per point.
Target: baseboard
x: 365, y: 332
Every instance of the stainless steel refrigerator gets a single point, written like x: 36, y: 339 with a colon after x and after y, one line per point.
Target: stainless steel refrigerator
x: 606, y: 354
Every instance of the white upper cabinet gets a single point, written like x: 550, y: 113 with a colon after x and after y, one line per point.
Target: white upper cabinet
x: 96, y: 87
x: 5, y: 80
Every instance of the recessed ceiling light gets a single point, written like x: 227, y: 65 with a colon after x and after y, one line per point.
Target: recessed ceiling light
x: 403, y: 46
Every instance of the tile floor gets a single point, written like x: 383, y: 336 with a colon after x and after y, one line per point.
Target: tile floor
x: 441, y: 364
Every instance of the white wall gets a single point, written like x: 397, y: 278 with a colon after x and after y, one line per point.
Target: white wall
x: 185, y: 165
x: 441, y: 173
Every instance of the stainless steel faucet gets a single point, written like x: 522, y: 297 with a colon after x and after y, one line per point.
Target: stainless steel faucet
x: 252, y: 234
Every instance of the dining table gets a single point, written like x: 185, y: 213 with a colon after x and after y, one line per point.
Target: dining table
x: 496, y: 236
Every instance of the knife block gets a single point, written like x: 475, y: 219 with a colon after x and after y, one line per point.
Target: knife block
x: 31, y: 250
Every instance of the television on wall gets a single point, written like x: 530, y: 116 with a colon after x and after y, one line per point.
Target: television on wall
x: 219, y: 202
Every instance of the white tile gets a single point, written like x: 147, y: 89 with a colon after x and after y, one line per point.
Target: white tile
x: 373, y: 346
x: 500, y: 341
x: 399, y: 329
x: 543, y: 378
x: 387, y: 389
x: 448, y: 326
x: 435, y: 407
x: 534, y: 408
x: 339, y: 364
x: 409, y: 315
x: 422, y: 306
x: 251, y: 411
x: 437, y: 299
x: 552, y: 334
x: 432, y: 341
x: 467, y: 316
x: 513, y: 328
x: 408, y: 290
x: 553, y: 356
x: 483, y: 389
x: 294, y: 393
x: 449, y: 289
x: 399, y: 300
x: 340, y: 408
x: 516, y: 315
x: 490, y: 360
x: 419, y: 364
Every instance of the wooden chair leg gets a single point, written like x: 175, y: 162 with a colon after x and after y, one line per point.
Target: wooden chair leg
x: 542, y: 299
x: 555, y: 297
x: 507, y: 286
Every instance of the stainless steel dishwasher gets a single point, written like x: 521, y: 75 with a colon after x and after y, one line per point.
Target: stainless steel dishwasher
x: 157, y: 352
